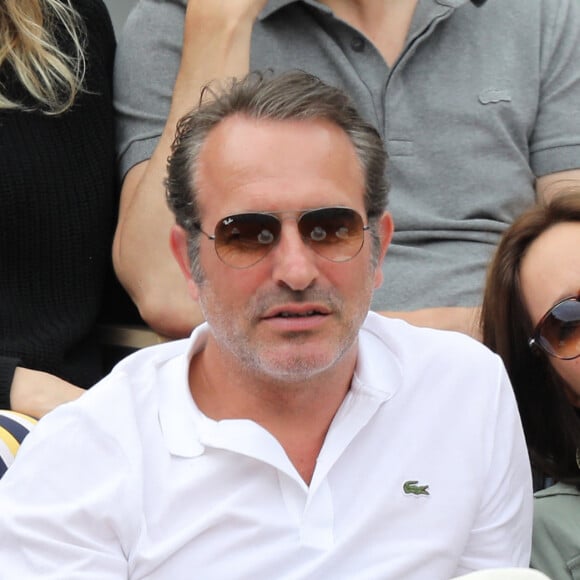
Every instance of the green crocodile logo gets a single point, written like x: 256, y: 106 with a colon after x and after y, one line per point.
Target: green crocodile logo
x: 411, y: 487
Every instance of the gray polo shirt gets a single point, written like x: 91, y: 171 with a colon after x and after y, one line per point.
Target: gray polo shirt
x: 481, y: 101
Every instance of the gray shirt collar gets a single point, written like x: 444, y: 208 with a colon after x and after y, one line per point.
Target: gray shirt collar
x: 275, y: 5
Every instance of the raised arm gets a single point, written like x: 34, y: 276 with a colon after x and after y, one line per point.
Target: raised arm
x: 216, y: 45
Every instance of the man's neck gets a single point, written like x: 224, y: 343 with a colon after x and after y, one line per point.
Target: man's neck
x: 298, y: 415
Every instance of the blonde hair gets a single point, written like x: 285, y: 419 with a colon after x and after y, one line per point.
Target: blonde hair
x: 29, y: 46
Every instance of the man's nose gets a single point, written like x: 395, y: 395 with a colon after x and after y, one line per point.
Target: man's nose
x: 295, y: 263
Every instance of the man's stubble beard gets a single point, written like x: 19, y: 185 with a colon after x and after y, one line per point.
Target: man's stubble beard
x: 275, y: 362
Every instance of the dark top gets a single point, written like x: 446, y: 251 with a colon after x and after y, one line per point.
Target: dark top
x: 57, y: 204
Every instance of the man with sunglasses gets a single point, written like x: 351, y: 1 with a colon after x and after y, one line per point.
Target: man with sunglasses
x: 295, y: 434
x: 476, y: 100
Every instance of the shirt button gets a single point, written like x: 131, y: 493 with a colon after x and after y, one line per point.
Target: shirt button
x: 358, y: 43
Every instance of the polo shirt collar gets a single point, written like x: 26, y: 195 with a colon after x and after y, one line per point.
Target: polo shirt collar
x: 178, y: 413
x: 452, y: 3
x: 378, y: 371
x: 275, y: 5
x: 558, y: 489
x: 377, y: 378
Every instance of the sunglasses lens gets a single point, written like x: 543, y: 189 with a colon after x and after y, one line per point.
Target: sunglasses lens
x: 335, y: 233
x: 243, y: 240
x: 559, y: 333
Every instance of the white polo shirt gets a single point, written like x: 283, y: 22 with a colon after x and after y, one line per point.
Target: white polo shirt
x: 423, y: 476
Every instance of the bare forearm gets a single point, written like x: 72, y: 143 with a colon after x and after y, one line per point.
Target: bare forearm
x: 216, y: 45
x: 549, y: 185
x: 145, y: 266
x: 35, y: 393
x: 460, y: 319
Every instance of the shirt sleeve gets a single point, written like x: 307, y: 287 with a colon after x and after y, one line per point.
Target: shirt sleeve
x: 64, y: 503
x: 143, y: 87
x: 555, y: 141
x: 502, y: 530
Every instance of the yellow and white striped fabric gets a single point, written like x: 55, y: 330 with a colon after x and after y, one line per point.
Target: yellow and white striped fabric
x: 13, y: 429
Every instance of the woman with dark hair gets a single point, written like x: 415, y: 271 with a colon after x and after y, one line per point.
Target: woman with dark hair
x: 531, y: 318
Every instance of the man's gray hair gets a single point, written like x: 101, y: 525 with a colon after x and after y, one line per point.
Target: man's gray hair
x: 294, y: 95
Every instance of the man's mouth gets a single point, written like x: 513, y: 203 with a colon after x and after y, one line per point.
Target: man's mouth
x: 299, y: 314
x: 296, y: 311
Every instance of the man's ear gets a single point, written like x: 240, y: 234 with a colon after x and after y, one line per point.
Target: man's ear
x: 178, y: 243
x: 386, y: 229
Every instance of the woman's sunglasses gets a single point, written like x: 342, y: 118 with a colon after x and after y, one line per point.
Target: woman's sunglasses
x: 242, y: 240
x: 558, y: 332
